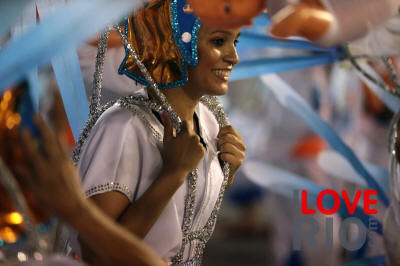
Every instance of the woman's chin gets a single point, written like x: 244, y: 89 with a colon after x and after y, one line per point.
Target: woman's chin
x: 218, y: 91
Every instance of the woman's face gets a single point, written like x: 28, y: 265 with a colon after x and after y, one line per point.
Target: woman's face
x: 217, y: 56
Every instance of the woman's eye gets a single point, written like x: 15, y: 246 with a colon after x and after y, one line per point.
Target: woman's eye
x: 218, y: 42
x: 236, y: 42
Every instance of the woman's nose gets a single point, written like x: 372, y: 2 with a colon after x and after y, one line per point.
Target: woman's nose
x: 232, y: 56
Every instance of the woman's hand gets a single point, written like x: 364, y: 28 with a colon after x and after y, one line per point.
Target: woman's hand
x: 181, y: 154
x: 232, y: 150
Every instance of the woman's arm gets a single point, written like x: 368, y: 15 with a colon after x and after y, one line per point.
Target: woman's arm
x: 55, y: 183
x: 111, y: 242
x: 180, y: 155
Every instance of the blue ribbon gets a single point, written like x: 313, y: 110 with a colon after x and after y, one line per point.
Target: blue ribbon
x: 70, y: 82
x: 290, y: 99
x: 253, y: 39
x: 66, y: 27
x: 254, y: 68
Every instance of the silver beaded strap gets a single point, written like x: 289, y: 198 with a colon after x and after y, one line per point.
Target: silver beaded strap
x: 203, y: 235
x: 98, y: 73
x: 86, y: 130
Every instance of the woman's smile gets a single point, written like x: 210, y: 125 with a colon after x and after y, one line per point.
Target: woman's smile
x: 222, y: 74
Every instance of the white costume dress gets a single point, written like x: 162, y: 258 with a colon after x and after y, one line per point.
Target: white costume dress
x: 122, y: 153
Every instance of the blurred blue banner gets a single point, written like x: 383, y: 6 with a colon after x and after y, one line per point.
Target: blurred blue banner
x: 254, y: 68
x: 67, y: 27
x: 69, y: 78
x: 252, y: 39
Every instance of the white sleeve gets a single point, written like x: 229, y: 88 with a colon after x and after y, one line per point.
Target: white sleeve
x: 111, y: 157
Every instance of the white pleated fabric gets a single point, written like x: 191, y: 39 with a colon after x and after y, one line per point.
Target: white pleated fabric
x: 121, y: 154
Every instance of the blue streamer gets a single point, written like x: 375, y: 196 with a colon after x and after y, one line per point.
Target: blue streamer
x: 70, y: 82
x: 66, y: 27
x: 34, y: 87
x: 292, y: 100
x: 248, y: 38
x: 255, y: 68
x: 285, y: 183
x: 335, y: 164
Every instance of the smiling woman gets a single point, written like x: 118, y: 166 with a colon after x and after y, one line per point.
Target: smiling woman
x: 164, y: 186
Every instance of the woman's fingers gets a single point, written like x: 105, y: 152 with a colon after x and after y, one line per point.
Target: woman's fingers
x: 229, y: 130
x: 231, y: 159
x: 25, y: 175
x: 168, y: 128
x: 31, y: 148
x: 229, y: 138
x: 232, y: 149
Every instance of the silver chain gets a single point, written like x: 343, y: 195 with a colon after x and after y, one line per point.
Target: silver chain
x: 98, y: 73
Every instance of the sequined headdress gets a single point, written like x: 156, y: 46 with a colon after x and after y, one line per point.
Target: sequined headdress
x: 171, y: 29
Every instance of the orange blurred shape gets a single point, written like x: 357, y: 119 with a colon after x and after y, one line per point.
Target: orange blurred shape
x: 8, y: 235
x: 308, y: 147
x: 227, y: 14
x: 14, y: 218
x: 303, y: 19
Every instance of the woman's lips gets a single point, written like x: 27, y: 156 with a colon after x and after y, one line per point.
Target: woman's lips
x: 222, y: 74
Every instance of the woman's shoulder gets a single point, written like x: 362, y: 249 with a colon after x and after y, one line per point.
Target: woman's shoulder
x: 119, y: 115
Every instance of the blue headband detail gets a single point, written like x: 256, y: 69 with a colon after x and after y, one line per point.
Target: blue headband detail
x: 185, y: 28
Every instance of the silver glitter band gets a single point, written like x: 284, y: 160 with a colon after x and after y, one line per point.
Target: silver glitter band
x: 110, y: 186
x: 98, y: 73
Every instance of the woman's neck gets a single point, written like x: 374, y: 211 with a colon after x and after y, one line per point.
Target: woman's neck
x: 182, y: 102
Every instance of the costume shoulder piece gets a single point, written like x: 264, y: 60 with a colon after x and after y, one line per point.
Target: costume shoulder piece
x: 138, y: 104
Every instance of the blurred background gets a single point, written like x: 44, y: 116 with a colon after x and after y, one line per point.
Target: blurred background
x: 255, y: 226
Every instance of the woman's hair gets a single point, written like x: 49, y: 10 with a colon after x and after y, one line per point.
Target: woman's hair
x: 150, y: 33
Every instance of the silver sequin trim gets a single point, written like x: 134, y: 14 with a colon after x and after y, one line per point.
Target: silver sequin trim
x: 110, y: 186
x: 192, y: 262
x: 98, y: 73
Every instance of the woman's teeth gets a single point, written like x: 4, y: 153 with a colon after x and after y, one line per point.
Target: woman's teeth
x: 223, y: 74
